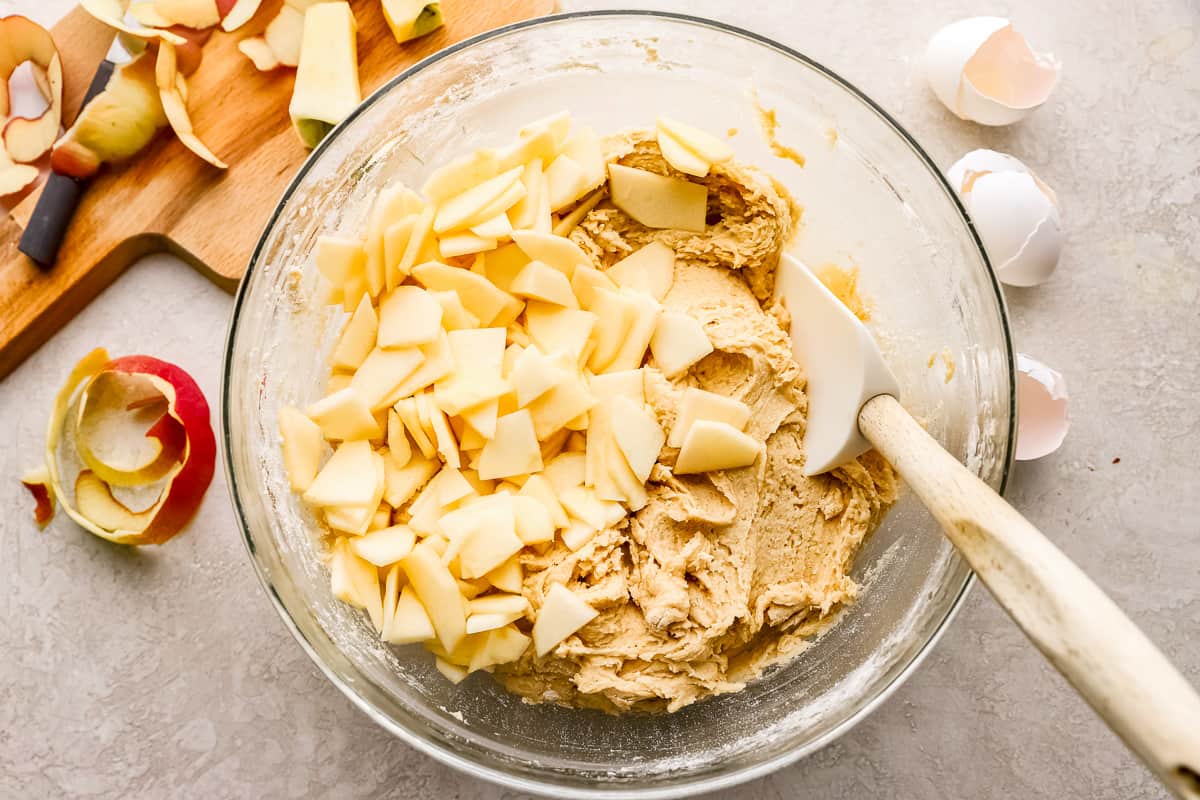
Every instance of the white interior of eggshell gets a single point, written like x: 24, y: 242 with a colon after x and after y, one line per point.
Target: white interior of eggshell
x: 1005, y: 78
x: 1042, y: 401
x: 966, y: 170
x: 1019, y: 225
x: 949, y: 51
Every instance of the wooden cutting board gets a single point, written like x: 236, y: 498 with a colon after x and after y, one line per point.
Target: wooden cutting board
x: 167, y: 199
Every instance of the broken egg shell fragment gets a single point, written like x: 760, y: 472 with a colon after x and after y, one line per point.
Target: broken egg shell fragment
x: 984, y: 71
x: 1042, y: 400
x: 1015, y: 213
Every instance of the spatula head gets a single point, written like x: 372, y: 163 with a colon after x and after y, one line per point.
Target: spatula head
x: 842, y: 361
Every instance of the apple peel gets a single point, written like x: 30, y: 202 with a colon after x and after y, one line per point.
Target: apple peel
x: 112, y: 13
x: 26, y: 139
x: 37, y: 481
x: 172, y: 89
x: 100, y: 385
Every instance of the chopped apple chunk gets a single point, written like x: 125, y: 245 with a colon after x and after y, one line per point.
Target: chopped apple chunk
x: 326, y: 89
x: 657, y: 201
x: 562, y: 614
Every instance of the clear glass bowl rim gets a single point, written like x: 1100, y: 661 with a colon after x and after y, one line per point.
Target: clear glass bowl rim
x: 446, y: 756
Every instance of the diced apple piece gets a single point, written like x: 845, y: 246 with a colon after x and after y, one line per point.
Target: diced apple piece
x: 622, y: 479
x: 566, y: 182
x: 699, y: 404
x: 524, y: 215
x: 556, y: 251
x: 344, y: 415
x: 577, y: 534
x: 533, y: 521
x: 451, y: 672
x: 560, y: 405
x: 679, y: 341
x: 437, y: 364
x: 559, y: 125
x: 540, y: 146
x: 502, y: 265
x: 401, y: 483
x: 679, y: 157
x: 538, y: 281
x: 382, y: 371
x: 358, y: 337
x: 583, y: 147
x: 656, y: 201
x: 411, y: 19
x: 493, y: 541
x: 501, y: 646
x: 508, y: 577
x: 713, y: 445
x: 512, y: 606
x: 633, y: 349
x: 461, y: 174
x: 349, y: 519
x: 391, y: 595
x: 399, y: 448
x: 410, y: 620
x: 628, y: 383
x: 582, y: 503
x: 480, y: 623
x: 464, y: 243
x: 301, y: 447
x: 353, y: 476
x: 616, y: 315
x: 326, y: 89
x: 409, y: 316
x: 382, y: 518
x: 386, y: 546
x: 259, y: 52
x: 477, y: 293
x: 638, y: 435
x: 471, y: 206
x: 556, y: 329
x: 584, y: 283
x: 436, y: 589
x: 541, y: 489
x: 409, y: 414
x: 337, y: 381
x: 562, y: 614
x: 533, y: 374
x: 454, y: 314
x: 395, y: 241
x: 498, y: 227
x: 477, y: 376
x: 513, y: 450
x: 420, y: 238
x: 355, y: 581
x: 704, y: 145
x: 447, y: 445
x: 338, y: 259
x: 482, y: 417
x: 565, y: 471
x: 649, y: 269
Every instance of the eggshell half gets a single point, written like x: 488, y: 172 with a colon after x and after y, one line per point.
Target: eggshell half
x: 1042, y: 399
x: 984, y: 71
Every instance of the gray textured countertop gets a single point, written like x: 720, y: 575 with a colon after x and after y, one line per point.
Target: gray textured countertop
x: 165, y: 672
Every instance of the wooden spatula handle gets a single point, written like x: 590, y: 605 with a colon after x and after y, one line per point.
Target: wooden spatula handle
x: 1124, y: 677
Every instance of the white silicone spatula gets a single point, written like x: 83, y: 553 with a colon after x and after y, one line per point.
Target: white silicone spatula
x: 854, y: 405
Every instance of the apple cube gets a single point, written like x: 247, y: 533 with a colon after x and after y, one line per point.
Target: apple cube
x: 559, y: 406
x: 583, y: 147
x: 438, y: 592
x: 411, y: 19
x: 409, y: 315
x: 338, y: 259
x: 711, y: 445
x: 410, y: 620
x: 565, y: 471
x: 502, y: 265
x: 401, y: 483
x: 406, y: 409
x: 358, y: 337
x: 498, y: 227
x: 385, y: 546
x: 698, y: 404
x: 577, y: 534
x: 524, y: 215
x: 301, y: 447
x: 554, y: 328
x: 704, y: 145
x: 399, y: 448
x: 539, y: 488
x: 645, y: 312
x: 566, y: 182
x: 625, y: 383
x: 437, y: 364
x: 454, y: 314
x: 382, y: 372
x: 477, y: 293
x: 679, y: 341
x: 355, y: 581
x: 464, y: 243
x: 638, y: 435
x: 558, y: 123
x: 678, y: 156
x: 474, y: 205
x: 556, y: 251
x: 344, y: 415
x: 621, y: 480
x: 508, y: 577
x: 477, y: 376
x: 451, y: 672
x: 649, y: 269
x: 353, y: 476
x: 501, y: 646
x: 533, y: 374
x: 562, y: 614
x: 491, y: 544
x: 537, y: 281
x: 513, y: 450
x: 533, y: 521
x: 657, y: 201
x: 584, y: 283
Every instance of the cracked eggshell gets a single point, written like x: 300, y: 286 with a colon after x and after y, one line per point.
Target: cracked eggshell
x: 1042, y: 402
x: 984, y: 71
x: 1015, y: 213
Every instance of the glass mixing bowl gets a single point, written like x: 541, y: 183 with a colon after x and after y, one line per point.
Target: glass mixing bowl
x: 872, y: 199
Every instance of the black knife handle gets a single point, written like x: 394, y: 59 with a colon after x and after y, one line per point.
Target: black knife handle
x: 60, y: 196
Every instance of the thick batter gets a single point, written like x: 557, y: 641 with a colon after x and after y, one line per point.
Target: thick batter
x: 719, y: 575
